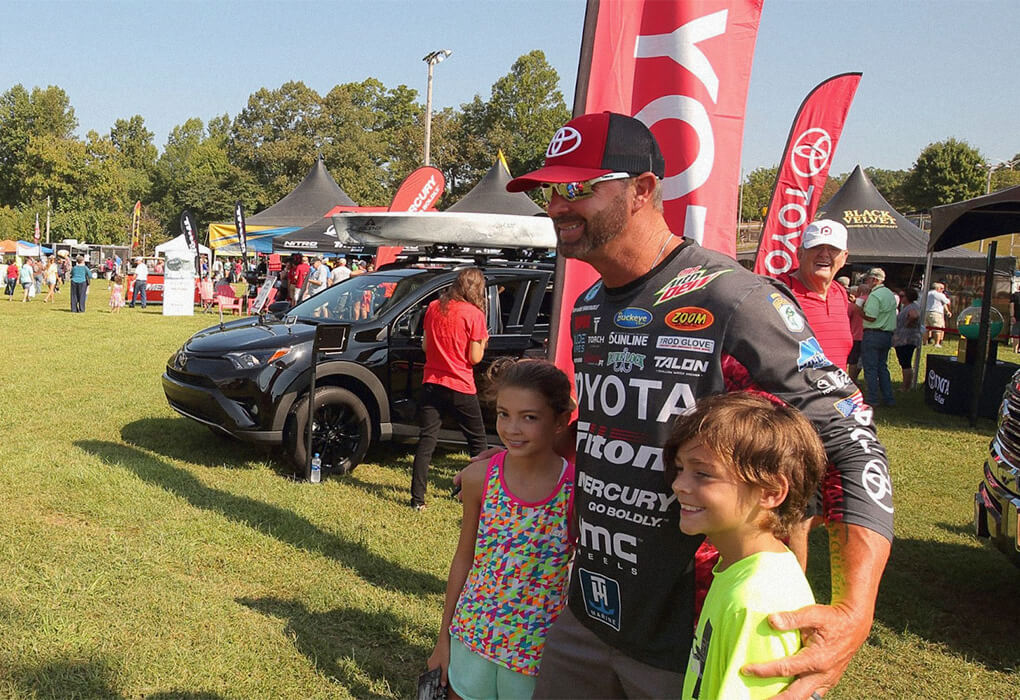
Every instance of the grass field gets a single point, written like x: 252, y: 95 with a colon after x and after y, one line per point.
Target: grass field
x: 141, y: 556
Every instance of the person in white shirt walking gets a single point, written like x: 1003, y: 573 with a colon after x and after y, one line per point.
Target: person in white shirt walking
x: 936, y: 311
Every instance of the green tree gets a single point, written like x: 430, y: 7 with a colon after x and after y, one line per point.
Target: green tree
x: 367, y: 137
x: 944, y: 172
x: 756, y: 190
x: 194, y: 172
x: 23, y: 115
x: 523, y: 112
x: 274, y: 138
x: 137, y: 155
x: 891, y: 184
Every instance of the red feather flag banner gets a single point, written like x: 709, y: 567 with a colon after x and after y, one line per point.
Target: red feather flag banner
x: 803, y: 171
x: 683, y: 69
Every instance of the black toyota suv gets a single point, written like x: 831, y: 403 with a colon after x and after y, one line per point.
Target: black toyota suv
x: 250, y: 378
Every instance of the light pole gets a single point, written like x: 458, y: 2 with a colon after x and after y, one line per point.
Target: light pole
x: 431, y: 59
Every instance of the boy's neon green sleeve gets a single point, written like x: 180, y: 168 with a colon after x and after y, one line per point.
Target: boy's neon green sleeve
x: 739, y: 638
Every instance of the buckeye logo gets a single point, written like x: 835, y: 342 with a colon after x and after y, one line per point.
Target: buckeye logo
x: 564, y: 141
x: 689, y: 318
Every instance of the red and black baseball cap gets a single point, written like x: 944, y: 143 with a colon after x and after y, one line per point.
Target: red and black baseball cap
x: 594, y: 145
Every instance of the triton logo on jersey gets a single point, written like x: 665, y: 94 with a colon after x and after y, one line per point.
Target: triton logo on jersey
x: 632, y: 317
x: 593, y: 291
x: 689, y: 318
x: 686, y: 281
x: 601, y: 598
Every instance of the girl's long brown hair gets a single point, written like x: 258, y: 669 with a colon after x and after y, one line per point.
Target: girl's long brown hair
x: 469, y: 287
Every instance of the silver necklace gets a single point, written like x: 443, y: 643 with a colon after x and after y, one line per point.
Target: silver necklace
x: 665, y: 242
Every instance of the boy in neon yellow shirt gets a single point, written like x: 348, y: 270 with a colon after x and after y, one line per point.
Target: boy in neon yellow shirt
x: 743, y: 469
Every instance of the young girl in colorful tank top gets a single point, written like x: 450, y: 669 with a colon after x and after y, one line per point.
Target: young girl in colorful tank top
x: 509, y: 576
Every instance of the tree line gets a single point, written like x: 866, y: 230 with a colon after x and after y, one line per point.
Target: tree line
x: 371, y: 137
x: 946, y: 171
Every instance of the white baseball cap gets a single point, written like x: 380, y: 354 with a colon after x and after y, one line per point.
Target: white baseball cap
x: 824, y: 232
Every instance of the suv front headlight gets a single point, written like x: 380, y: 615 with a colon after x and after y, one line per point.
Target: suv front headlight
x: 256, y: 358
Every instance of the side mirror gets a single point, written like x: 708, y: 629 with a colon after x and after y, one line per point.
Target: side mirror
x: 279, y: 308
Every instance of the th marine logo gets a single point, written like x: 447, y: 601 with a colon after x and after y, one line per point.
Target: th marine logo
x: 686, y: 281
x: 601, y: 598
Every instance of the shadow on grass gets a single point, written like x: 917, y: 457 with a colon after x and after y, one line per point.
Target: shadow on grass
x: 64, y: 678
x: 953, y: 594
x: 912, y: 412
x: 399, y: 458
x: 265, y: 518
x: 348, y: 643
x: 185, y: 440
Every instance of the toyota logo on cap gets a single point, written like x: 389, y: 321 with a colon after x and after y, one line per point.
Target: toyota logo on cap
x: 564, y: 141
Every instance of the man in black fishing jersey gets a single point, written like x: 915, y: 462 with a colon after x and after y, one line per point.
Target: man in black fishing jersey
x: 669, y: 322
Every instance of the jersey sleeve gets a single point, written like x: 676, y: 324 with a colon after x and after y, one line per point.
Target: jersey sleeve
x: 769, y: 337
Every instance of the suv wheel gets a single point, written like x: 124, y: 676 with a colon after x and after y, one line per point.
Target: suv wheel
x: 341, y: 431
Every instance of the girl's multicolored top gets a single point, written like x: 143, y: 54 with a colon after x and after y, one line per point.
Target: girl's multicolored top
x: 517, y: 585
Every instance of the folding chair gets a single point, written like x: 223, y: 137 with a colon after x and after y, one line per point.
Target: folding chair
x: 205, y: 294
x: 230, y: 304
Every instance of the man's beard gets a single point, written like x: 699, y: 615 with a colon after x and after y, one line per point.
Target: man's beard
x: 599, y: 229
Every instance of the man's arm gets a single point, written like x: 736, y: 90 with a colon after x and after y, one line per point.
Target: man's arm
x: 780, y: 355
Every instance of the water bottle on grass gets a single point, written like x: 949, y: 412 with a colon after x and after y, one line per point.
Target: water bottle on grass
x: 316, y: 475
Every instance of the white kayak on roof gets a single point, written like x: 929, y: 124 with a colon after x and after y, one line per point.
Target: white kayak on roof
x: 447, y: 228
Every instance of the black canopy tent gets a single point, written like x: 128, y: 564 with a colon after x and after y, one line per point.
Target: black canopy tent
x: 878, y: 234
x: 971, y: 220
x: 314, y: 197
x: 489, y: 196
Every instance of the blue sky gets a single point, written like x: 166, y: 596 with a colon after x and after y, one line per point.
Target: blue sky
x: 931, y: 69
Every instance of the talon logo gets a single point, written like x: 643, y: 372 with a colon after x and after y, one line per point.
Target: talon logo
x: 564, y: 141
x: 686, y: 281
x: 689, y: 318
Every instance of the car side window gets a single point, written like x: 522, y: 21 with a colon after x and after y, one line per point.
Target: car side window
x: 411, y: 323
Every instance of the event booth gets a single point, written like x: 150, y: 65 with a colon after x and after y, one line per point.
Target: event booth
x: 314, y: 198
x: 974, y: 385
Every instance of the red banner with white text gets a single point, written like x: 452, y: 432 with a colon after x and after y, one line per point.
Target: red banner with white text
x: 803, y: 171
x: 683, y: 69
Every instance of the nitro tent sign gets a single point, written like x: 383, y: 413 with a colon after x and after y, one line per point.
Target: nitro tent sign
x: 803, y: 171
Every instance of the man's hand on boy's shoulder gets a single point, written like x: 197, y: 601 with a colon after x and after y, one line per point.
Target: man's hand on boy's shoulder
x: 831, y: 634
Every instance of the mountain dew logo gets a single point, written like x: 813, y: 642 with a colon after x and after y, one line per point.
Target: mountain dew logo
x: 686, y: 281
x: 625, y: 360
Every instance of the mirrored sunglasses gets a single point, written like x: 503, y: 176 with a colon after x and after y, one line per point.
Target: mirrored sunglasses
x: 573, y: 191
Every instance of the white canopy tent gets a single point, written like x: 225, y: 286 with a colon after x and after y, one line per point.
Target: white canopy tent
x: 179, y: 245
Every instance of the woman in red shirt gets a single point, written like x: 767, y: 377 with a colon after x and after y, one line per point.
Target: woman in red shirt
x: 454, y: 341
